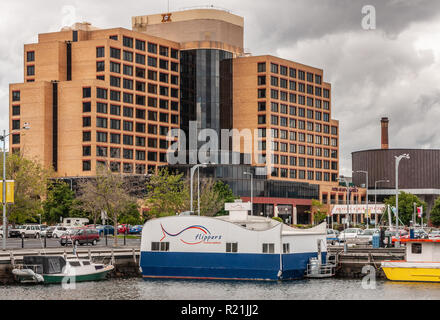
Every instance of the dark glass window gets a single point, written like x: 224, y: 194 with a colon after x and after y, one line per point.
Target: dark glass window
x: 30, y: 56
x: 127, y: 42
x: 115, y: 53
x: 87, y: 107
x: 100, y: 66
x: 100, y: 52
x: 152, y: 48
x: 16, y: 95
x: 87, y: 166
x: 15, y: 110
x: 140, y: 45
x: 87, y: 136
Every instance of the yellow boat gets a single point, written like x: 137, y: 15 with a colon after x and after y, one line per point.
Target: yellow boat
x: 422, y: 262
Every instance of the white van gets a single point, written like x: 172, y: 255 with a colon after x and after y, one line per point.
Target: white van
x: 75, y: 222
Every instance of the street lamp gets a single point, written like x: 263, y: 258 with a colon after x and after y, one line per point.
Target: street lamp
x: 366, y: 174
x: 193, y: 170
x: 348, y: 209
x: 403, y: 156
x: 252, y: 191
x: 375, y: 200
x: 3, y: 138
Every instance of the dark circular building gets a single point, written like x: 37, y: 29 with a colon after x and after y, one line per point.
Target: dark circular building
x: 419, y: 175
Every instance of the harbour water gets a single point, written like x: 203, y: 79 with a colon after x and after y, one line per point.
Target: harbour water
x: 137, y: 289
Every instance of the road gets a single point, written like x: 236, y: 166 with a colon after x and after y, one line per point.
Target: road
x: 29, y: 243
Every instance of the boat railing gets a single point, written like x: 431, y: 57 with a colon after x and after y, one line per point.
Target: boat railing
x: 322, y: 270
x: 36, y: 268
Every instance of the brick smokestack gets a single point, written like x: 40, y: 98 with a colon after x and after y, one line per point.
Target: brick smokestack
x: 384, y: 139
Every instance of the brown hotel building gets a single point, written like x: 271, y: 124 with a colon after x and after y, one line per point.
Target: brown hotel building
x: 111, y: 96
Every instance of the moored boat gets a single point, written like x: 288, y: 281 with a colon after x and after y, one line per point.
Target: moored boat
x: 57, y: 269
x: 234, y: 247
x: 422, y: 262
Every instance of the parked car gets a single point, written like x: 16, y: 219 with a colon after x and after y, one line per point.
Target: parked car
x: 435, y: 234
x: 332, y: 236
x: 16, y: 232
x: 47, y: 233
x: 106, y: 230
x: 80, y: 236
x: 1, y: 232
x: 350, y: 233
x: 31, y: 231
x: 135, y: 229
x: 59, y: 231
x: 123, y: 228
x: 367, y: 235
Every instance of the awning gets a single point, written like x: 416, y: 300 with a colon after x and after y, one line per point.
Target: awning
x: 358, y: 209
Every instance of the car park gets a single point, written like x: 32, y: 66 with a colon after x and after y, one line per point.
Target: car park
x: 15, y: 232
x: 123, y: 228
x: 47, y: 233
x: 80, y: 236
x: 59, y: 231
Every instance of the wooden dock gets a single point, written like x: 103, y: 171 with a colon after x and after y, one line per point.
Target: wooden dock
x: 125, y: 260
x: 350, y: 263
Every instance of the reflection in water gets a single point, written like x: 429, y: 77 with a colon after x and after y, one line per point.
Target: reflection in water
x: 137, y: 289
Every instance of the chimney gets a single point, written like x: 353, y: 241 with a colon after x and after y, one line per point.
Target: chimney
x: 384, y: 139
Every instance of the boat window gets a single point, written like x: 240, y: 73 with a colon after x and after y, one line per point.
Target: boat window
x: 268, y: 247
x: 75, y: 263
x: 155, y: 246
x: 231, y: 247
x: 416, y: 248
x: 164, y: 246
x: 86, y: 263
x: 286, y: 247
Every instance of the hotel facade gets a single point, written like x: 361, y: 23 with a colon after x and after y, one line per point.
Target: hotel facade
x: 112, y: 96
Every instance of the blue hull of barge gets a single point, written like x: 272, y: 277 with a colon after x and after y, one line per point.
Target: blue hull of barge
x: 224, y: 266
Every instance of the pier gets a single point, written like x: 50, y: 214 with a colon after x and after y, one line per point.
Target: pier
x: 125, y: 260
x: 350, y: 263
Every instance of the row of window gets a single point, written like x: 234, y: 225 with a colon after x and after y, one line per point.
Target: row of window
x: 128, y: 154
x: 303, y: 162
x: 300, y: 149
x: 231, y: 247
x: 294, y: 86
x: 291, y: 72
x: 128, y: 70
x: 303, y: 175
x: 141, y: 85
x: 151, y: 47
x: 115, y: 138
x: 297, y: 124
x: 292, y: 110
x: 128, y: 168
x: 293, y: 98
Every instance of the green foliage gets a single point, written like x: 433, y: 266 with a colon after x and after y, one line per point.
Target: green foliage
x: 225, y: 194
x: 435, y: 213
x: 130, y: 215
x: 30, y: 188
x: 60, y: 203
x: 278, y: 219
x: 168, y: 194
x: 406, y: 207
x: 319, y: 215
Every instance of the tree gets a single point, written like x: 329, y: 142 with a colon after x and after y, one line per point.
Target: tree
x: 107, y: 192
x: 435, y: 213
x: 60, y: 203
x: 226, y: 194
x: 167, y: 195
x: 406, y: 206
x: 131, y: 214
x: 319, y: 215
x: 30, y: 188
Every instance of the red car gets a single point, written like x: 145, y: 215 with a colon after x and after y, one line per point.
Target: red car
x: 80, y: 236
x: 124, y: 228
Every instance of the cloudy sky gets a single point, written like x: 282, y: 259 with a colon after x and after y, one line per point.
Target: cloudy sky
x: 391, y: 71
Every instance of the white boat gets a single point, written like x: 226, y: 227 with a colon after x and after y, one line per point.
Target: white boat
x: 234, y: 247
x: 56, y: 269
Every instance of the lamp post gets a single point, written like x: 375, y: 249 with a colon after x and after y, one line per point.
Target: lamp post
x: 398, y: 159
x: 3, y: 137
x: 252, y: 191
x: 375, y: 200
x: 366, y: 174
x: 348, y: 209
x: 193, y: 170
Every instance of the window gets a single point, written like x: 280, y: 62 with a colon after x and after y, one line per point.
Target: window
x: 140, y: 141
x: 128, y: 140
x: 163, y: 64
x: 16, y: 139
x: 152, y: 62
x: 268, y: 248
x: 416, y: 248
x: 128, y: 112
x: 286, y: 247
x: 152, y: 48
x: 292, y: 73
x: 15, y: 95
x: 115, y: 95
x: 273, y: 68
x: 128, y: 97
x: 231, y: 247
x: 115, y: 53
x: 262, y: 67
x: 101, y: 107
x: 115, y: 81
x: 101, y: 151
x: 163, y: 51
x: 128, y: 154
x: 101, y: 137
x: 128, y: 56
x: 115, y: 124
x: 174, y: 53
x: 87, y: 93
x: 87, y: 136
x: 87, y: 166
x: 140, y: 45
x: 30, y: 56
x: 15, y: 110
x: 140, y: 58
x: 31, y: 70
x: 261, y: 80
x: 115, y: 138
x: 87, y: 122
x: 100, y: 52
x: 115, y: 110
x: 87, y: 107
x: 127, y: 42
x: 128, y: 70
x: 115, y: 67
x: 101, y: 93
